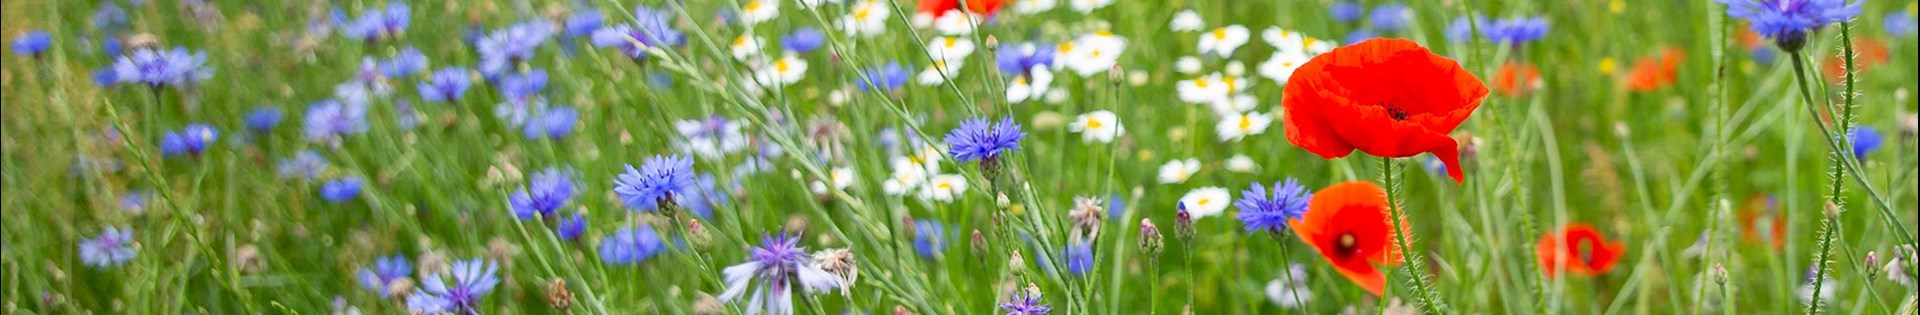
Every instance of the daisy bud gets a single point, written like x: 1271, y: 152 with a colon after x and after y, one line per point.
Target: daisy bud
x: 698, y: 236
x: 1183, y: 224
x: 1873, y: 266
x: 557, y: 294
x: 1016, y: 264
x: 1150, y: 239
x: 1719, y: 274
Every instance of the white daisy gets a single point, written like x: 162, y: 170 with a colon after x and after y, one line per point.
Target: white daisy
x: 1097, y: 126
x: 1187, y: 64
x: 907, y: 175
x: 1186, y: 21
x: 841, y: 178
x: 1033, y: 6
x: 810, y: 4
x: 1223, y: 40
x: 866, y: 18
x: 1087, y: 6
x: 1241, y: 163
x: 1291, y: 41
x: 1233, y: 104
x: 944, y: 188
x: 784, y: 71
x: 756, y: 11
x: 1031, y: 86
x: 1178, y: 171
x: 1237, y: 126
x: 1206, y: 89
x: 1236, y: 68
x: 747, y: 45
x: 949, y: 48
x: 1290, y: 294
x: 955, y: 22
x: 939, y: 72
x: 1280, y: 67
x: 1206, y: 201
x: 1091, y: 54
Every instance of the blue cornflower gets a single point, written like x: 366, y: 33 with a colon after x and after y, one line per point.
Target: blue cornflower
x: 584, y: 22
x: 1022, y: 58
x: 155, y: 68
x: 522, y: 86
x: 1260, y: 211
x: 1359, y: 35
x: 571, y: 228
x: 1116, y: 206
x: 1900, y: 24
x: 410, y: 61
x: 554, y: 123
x: 885, y: 78
x: 651, y: 28
x: 190, y: 140
x: 262, y: 119
x: 341, y: 189
x: 930, y: 238
x: 1459, y: 30
x: 1516, y: 31
x: 1345, y: 11
x: 111, y: 45
x: 308, y: 164
x: 1389, y: 17
x: 803, y: 40
x: 472, y: 279
x: 106, y: 77
x: 113, y: 247
x: 445, y: 85
x: 516, y: 43
x: 654, y: 183
x: 1025, y: 302
x: 330, y: 120
x: 1865, y: 140
x: 32, y: 43
x: 109, y: 17
x: 630, y: 245
x: 975, y: 139
x: 701, y: 197
x: 781, y: 265
x: 1079, y: 256
x: 549, y: 190
x: 135, y: 201
x: 375, y: 24
x: 385, y: 273
x: 1787, y: 22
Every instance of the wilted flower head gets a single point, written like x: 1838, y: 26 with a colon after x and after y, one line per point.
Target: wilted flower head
x: 780, y: 265
x: 630, y: 245
x: 472, y: 280
x: 654, y: 183
x: 1086, y: 216
x: 113, y: 247
x: 839, y: 262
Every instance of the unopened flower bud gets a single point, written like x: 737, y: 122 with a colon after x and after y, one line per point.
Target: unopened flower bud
x: 705, y: 304
x: 1002, y: 201
x: 979, y: 242
x: 1016, y: 264
x: 1150, y: 239
x: 1832, y: 210
x: 1719, y: 274
x: 698, y: 236
x: 1873, y: 266
x: 1183, y: 224
x: 900, y: 310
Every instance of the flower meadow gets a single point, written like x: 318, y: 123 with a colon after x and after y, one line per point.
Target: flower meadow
x: 959, y: 157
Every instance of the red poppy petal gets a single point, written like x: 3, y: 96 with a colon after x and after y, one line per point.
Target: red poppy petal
x: 1364, y: 275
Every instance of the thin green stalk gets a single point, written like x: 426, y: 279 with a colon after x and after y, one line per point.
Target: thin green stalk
x: 1429, y: 302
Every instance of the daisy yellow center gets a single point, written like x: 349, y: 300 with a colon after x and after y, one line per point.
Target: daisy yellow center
x: 1021, y: 80
x: 1092, y: 123
x: 1220, y: 33
x: 1202, y: 201
x: 1608, y: 65
x: 740, y: 41
x: 753, y: 5
x: 1246, y: 122
x: 952, y: 41
x: 1094, y: 53
x: 1103, y: 33
x: 1304, y: 42
x: 946, y: 185
x: 1202, y: 83
x: 1229, y: 81
x: 1066, y: 47
x: 781, y: 66
x: 862, y: 12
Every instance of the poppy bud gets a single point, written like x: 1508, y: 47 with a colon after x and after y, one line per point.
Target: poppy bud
x: 1150, y: 239
x: 1183, y: 224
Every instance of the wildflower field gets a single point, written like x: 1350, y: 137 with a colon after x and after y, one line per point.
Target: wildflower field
x: 959, y: 157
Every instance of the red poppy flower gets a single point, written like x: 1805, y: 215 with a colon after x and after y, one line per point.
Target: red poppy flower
x: 1868, y: 53
x: 1578, y: 248
x: 1650, y: 74
x: 1761, y: 222
x: 939, y: 7
x: 1385, y: 97
x: 1347, y: 223
x: 1515, y: 79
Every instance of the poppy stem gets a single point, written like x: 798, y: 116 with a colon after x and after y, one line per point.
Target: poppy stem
x: 1429, y: 302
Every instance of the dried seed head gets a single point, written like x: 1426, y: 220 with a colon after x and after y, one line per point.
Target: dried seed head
x: 248, y: 259
x: 1086, y: 215
x: 841, y: 264
x: 705, y: 304
x: 557, y: 294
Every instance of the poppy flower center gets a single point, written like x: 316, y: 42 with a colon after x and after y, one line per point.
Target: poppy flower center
x: 1346, y: 244
x: 1397, y: 113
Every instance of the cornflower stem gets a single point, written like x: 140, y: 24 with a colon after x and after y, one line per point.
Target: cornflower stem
x: 1829, y: 227
x: 1286, y: 266
x: 1429, y: 303
x: 1851, y: 169
x: 1153, y: 291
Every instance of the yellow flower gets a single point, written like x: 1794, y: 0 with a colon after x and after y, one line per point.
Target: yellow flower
x: 1608, y: 65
